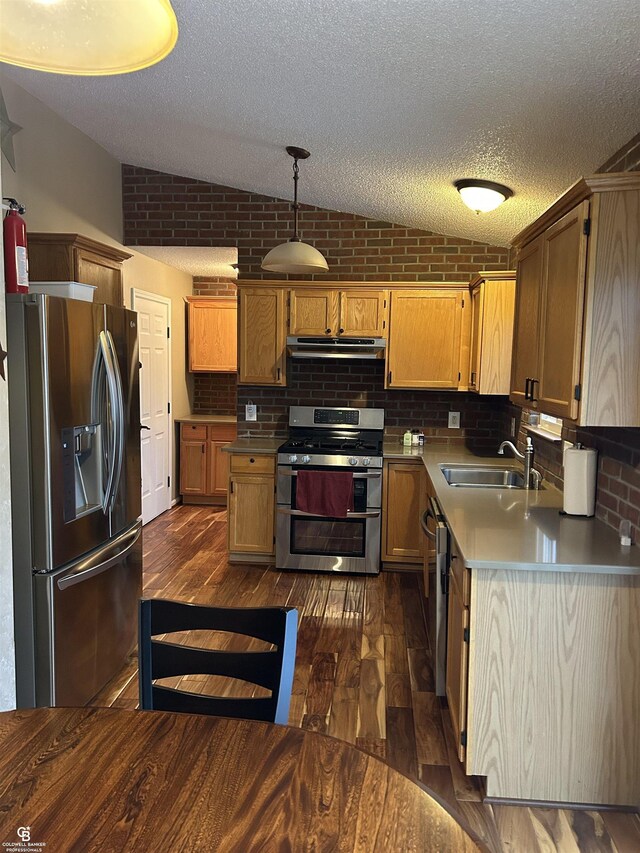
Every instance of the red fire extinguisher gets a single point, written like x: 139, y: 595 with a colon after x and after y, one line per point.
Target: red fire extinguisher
x: 16, y: 264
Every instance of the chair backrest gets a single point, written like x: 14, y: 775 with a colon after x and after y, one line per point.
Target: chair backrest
x: 270, y: 669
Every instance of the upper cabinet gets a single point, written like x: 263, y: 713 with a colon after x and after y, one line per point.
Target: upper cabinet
x: 335, y: 313
x: 577, y: 351
x: 424, y: 349
x: 213, y: 337
x: 492, y: 310
x: 72, y: 257
x: 262, y: 335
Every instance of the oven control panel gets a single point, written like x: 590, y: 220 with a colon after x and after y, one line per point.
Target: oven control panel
x: 336, y: 416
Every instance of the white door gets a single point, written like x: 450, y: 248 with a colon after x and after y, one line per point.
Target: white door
x: 154, y: 320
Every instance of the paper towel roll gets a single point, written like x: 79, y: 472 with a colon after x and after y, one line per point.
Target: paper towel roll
x: 580, y: 471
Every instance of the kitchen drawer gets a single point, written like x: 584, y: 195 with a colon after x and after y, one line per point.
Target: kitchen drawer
x: 244, y: 463
x: 193, y: 432
x: 461, y: 574
x: 222, y: 432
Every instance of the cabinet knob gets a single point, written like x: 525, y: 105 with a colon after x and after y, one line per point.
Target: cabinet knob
x: 341, y: 331
x: 252, y: 459
x: 328, y: 331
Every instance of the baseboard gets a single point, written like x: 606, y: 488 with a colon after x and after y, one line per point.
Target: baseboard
x: 235, y: 557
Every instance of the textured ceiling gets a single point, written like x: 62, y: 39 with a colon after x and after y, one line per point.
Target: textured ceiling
x: 209, y: 262
x: 394, y: 98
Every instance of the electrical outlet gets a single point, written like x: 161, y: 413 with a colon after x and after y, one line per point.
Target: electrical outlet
x: 513, y: 427
x: 251, y: 412
x: 454, y: 420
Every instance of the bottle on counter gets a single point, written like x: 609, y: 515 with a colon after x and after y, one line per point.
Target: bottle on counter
x: 415, y: 438
x: 421, y: 439
x: 406, y: 439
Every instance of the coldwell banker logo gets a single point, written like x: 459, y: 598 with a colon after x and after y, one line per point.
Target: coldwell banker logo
x: 25, y: 842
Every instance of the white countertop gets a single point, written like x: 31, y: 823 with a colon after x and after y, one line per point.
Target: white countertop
x: 522, y: 529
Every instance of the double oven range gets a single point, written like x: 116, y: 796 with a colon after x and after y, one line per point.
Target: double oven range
x: 331, y: 439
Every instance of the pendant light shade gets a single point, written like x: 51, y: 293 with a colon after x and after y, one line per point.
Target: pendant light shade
x: 93, y: 38
x: 294, y: 256
x: 482, y: 196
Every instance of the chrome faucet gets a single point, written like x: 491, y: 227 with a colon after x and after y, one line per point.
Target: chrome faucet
x: 529, y: 471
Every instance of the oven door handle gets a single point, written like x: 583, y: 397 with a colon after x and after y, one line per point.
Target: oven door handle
x: 357, y: 475
x: 299, y: 512
x: 431, y: 534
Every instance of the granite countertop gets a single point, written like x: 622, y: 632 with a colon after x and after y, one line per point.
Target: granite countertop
x: 207, y: 419
x: 520, y: 529
x: 259, y: 446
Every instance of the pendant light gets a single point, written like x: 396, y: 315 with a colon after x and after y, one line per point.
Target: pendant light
x: 294, y: 256
x: 86, y: 37
x: 482, y: 196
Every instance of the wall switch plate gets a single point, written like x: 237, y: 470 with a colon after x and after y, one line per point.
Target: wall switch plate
x: 454, y: 420
x: 251, y: 412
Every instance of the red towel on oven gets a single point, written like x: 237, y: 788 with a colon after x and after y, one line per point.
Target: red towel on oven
x: 325, y: 492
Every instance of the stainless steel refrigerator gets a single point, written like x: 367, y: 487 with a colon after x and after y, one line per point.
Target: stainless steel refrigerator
x: 76, y: 492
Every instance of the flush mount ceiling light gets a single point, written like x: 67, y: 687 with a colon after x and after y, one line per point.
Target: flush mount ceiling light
x: 87, y: 38
x: 482, y: 196
x: 294, y: 256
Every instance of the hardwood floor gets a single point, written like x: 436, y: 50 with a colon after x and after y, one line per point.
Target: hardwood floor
x: 363, y: 674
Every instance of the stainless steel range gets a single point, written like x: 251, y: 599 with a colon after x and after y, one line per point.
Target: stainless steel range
x: 336, y: 439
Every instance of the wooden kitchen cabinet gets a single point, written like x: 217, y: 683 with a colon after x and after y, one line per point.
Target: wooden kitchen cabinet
x: 262, y: 336
x: 313, y: 312
x: 213, y: 335
x: 403, y: 502
x: 580, y: 256
x: 457, y: 664
x: 337, y: 313
x: 72, y: 257
x: 252, y: 501
x: 424, y: 348
x: 204, y: 467
x: 549, y: 343
x: 524, y: 363
x: 492, y: 314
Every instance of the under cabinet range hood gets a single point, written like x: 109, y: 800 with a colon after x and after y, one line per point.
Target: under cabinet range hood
x: 316, y: 347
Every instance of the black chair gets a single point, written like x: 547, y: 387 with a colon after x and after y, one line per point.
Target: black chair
x: 270, y: 669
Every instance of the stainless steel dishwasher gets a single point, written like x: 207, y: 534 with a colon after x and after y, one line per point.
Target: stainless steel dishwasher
x: 435, y: 528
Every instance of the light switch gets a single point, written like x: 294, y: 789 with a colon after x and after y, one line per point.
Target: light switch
x: 251, y: 412
x: 454, y: 420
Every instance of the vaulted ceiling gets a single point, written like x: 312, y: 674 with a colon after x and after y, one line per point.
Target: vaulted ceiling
x: 394, y: 98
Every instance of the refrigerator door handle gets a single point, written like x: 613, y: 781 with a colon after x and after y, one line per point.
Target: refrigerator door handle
x: 118, y: 416
x: 85, y: 570
x: 102, y: 373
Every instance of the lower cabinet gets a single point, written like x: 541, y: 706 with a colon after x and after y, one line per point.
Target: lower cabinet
x: 457, y: 663
x: 403, y: 502
x: 204, y: 468
x: 252, y: 503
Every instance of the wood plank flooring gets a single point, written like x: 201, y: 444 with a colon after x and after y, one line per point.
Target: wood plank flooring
x: 363, y: 674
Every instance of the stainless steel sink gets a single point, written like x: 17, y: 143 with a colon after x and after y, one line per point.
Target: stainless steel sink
x: 485, y: 477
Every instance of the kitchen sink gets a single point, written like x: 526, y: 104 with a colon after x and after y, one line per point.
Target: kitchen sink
x: 478, y: 476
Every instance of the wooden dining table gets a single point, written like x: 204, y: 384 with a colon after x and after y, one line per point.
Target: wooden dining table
x: 104, y: 779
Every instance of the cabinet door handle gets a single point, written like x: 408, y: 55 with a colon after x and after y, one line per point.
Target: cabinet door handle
x: 473, y: 377
x: 532, y: 397
x: 278, y: 374
x: 202, y: 448
x: 527, y: 383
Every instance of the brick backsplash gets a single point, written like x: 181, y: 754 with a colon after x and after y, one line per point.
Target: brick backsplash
x: 360, y: 384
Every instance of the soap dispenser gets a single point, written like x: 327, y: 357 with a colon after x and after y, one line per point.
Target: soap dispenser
x: 406, y: 439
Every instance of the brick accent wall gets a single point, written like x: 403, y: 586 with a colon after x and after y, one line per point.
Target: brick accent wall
x: 168, y: 210
x: 161, y: 209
